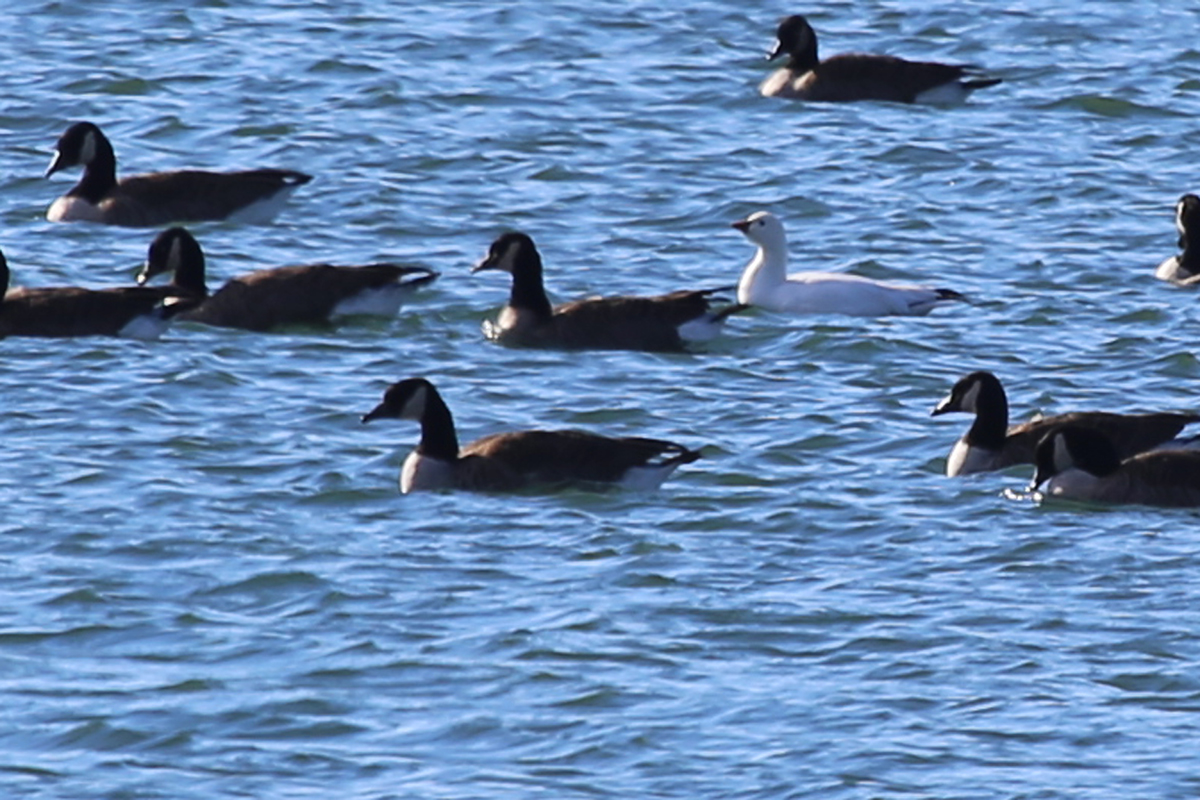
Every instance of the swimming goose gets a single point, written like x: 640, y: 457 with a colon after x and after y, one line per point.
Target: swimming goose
x: 268, y: 298
x: 855, y: 76
x: 991, y: 444
x: 1185, y: 267
x: 1079, y: 463
x: 765, y: 282
x: 130, y: 311
x: 660, y: 323
x: 160, y: 198
x: 509, y: 461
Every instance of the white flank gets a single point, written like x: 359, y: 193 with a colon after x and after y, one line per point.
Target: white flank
x: 145, y: 326
x: 382, y: 302
x: 421, y: 473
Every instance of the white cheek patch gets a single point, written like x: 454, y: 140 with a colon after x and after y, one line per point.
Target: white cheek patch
x: 87, y: 153
x: 1062, y: 456
x: 414, y: 408
x: 970, y: 400
x: 1179, y: 217
x: 175, y: 257
x: 509, y: 258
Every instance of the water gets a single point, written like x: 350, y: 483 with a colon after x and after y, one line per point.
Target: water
x: 211, y: 587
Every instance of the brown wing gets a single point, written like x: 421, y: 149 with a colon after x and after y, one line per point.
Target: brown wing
x: 855, y: 76
x: 478, y: 473
x: 304, y: 295
x: 71, y: 311
x: 193, y: 195
x: 575, y: 455
x: 1161, y: 478
x: 627, y: 323
x: 1130, y: 433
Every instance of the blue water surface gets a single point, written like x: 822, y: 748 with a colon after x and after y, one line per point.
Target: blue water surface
x: 211, y: 587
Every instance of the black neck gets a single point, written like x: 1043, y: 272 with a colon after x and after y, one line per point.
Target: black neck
x: 99, y: 176
x: 804, y: 59
x: 3, y: 277
x: 189, y: 274
x: 528, y: 292
x: 1189, y: 259
x: 991, y: 420
x: 438, y: 438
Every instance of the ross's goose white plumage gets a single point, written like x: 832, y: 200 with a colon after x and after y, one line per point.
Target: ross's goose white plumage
x: 765, y: 282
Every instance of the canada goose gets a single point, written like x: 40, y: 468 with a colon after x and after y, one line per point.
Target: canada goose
x: 1075, y: 462
x: 509, y: 461
x: 990, y: 444
x: 660, y: 323
x: 1184, y: 267
x: 131, y: 311
x: 765, y: 282
x: 160, y: 198
x: 269, y: 298
x: 855, y: 76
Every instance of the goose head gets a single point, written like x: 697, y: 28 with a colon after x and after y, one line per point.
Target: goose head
x: 966, y: 392
x: 511, y: 252
x: 794, y: 37
x: 176, y: 252
x: 80, y: 144
x: 764, y: 229
x: 1073, y: 447
x: 406, y: 399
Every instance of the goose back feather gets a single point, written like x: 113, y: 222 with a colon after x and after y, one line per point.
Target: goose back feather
x: 992, y: 444
x: 858, y: 76
x: 294, y: 295
x: 514, y: 460
x: 1077, y: 462
x: 160, y: 198
x: 655, y: 323
x: 128, y: 311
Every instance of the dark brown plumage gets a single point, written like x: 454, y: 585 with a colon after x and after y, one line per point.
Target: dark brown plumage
x: 295, y: 295
x: 991, y: 444
x: 1076, y: 462
x: 139, y: 312
x: 160, y: 198
x: 658, y: 323
x: 858, y: 76
x: 508, y: 461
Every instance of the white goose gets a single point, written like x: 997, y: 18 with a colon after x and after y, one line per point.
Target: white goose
x: 765, y: 282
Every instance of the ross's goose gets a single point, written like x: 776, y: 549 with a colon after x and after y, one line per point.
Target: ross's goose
x: 766, y: 283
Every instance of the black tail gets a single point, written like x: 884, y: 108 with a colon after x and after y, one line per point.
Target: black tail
x: 429, y: 276
x: 950, y: 294
x: 729, y: 311
x: 980, y: 83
